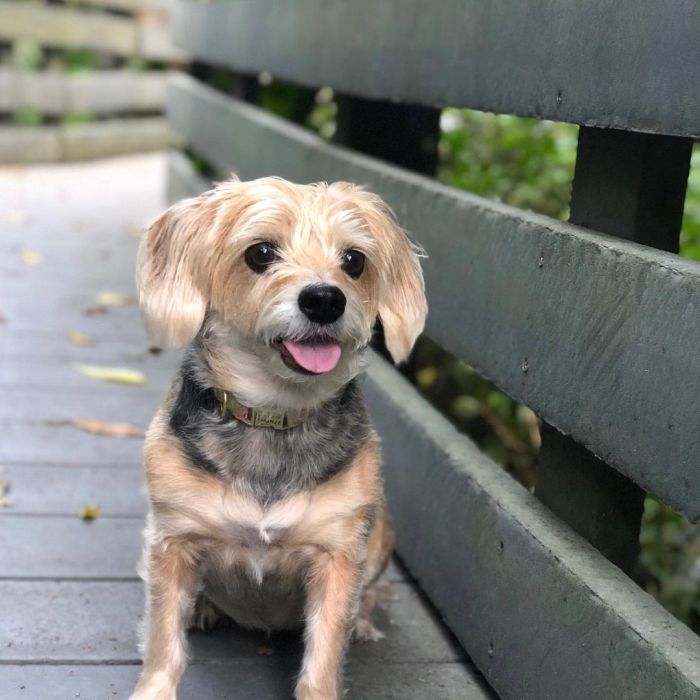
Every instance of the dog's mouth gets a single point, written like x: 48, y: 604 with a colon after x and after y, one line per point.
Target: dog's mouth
x: 311, y: 356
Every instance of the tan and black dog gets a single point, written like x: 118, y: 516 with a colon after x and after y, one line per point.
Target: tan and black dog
x: 263, y: 468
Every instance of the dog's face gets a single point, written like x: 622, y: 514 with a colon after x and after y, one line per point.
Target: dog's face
x: 291, y: 277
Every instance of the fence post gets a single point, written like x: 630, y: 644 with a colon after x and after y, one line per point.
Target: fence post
x: 630, y: 185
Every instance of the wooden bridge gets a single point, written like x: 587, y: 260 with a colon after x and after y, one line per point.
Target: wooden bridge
x: 594, y: 324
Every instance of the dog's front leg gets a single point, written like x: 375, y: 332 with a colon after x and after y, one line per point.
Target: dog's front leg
x: 332, y: 600
x: 171, y: 587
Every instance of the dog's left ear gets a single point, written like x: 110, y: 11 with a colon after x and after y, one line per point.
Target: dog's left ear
x: 402, y: 303
x: 172, y: 274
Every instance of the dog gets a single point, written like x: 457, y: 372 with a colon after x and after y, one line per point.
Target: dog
x: 262, y: 465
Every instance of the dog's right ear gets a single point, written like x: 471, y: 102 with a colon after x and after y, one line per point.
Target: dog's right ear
x: 172, y: 274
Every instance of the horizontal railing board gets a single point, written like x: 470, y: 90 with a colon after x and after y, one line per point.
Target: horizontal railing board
x: 98, y: 92
x: 51, y: 144
x: 628, y: 65
x: 65, y: 27
x: 540, y: 612
x: 599, y: 336
x: 158, y: 6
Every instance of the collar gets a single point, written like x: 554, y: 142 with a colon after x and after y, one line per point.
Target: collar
x: 229, y: 406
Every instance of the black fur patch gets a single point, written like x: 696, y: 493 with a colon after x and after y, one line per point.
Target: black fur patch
x: 268, y: 464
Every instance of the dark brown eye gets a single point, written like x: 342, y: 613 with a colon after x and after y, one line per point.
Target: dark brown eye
x: 353, y: 262
x: 259, y: 256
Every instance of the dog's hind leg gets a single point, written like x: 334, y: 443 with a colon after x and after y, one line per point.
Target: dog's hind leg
x: 379, y: 545
x: 206, y: 615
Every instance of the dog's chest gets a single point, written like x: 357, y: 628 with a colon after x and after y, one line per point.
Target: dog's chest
x: 269, y: 464
x: 256, y: 574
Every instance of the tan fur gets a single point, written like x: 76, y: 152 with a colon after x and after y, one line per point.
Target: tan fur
x: 320, y: 535
x: 313, y: 556
x: 192, y: 256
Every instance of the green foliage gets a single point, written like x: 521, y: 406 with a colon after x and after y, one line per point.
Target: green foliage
x: 76, y: 60
x: 27, y: 117
x: 690, y: 233
x: 669, y: 562
x: 523, y: 162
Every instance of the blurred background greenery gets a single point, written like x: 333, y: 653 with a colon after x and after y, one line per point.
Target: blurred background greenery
x: 524, y: 163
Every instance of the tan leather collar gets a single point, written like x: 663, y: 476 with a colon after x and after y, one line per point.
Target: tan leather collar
x: 255, y: 417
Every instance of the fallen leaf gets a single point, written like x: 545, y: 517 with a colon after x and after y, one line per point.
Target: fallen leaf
x: 95, y: 311
x: 107, y: 298
x: 118, y: 375
x: 13, y: 216
x: 101, y: 427
x: 4, y: 488
x: 30, y: 257
x: 90, y: 512
x: 79, y: 339
x: 265, y: 651
x: 154, y: 350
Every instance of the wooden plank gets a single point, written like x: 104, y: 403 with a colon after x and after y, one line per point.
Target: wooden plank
x: 628, y: 65
x: 245, y: 679
x: 70, y: 547
x: 64, y: 27
x: 135, y: 6
x: 103, y: 619
x: 38, y: 489
x: 573, y: 323
x: 100, y: 92
x: 631, y: 185
x: 50, y: 144
x: 540, y: 612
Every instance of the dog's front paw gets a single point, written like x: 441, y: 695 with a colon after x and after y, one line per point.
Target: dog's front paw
x: 306, y: 691
x: 154, y: 688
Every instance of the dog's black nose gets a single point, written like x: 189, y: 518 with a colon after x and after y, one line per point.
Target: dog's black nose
x: 322, y: 303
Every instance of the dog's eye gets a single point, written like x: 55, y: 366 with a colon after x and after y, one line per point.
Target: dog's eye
x: 353, y: 262
x: 259, y: 256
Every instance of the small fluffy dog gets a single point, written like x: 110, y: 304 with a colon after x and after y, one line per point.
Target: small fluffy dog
x: 262, y: 464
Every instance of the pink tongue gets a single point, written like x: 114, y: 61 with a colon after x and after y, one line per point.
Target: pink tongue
x: 316, y: 358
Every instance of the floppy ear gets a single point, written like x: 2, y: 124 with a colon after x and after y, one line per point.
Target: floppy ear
x: 172, y: 271
x: 402, y: 303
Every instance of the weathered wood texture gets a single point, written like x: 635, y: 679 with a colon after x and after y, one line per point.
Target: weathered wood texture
x: 100, y: 92
x: 50, y: 144
x: 541, y: 612
x: 71, y: 599
x: 632, y: 186
x: 63, y: 27
x: 628, y: 65
x: 590, y: 331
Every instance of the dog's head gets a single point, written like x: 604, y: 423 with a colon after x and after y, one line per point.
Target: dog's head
x: 294, y: 275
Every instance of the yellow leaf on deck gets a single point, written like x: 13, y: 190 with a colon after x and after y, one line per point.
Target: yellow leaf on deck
x: 90, y: 512
x: 79, y: 339
x: 118, y: 375
x: 30, y: 257
x: 102, y: 427
x: 107, y: 298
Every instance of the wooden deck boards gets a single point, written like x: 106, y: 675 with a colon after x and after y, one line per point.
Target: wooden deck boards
x: 71, y: 597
